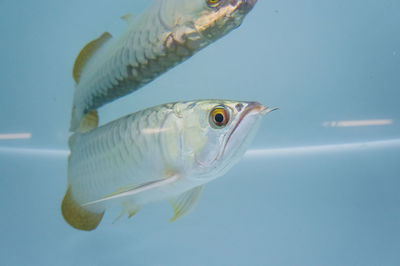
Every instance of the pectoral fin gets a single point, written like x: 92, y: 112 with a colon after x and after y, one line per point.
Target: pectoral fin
x: 185, y: 202
x: 130, y: 191
x: 128, y: 207
x: 77, y: 216
x: 86, y: 53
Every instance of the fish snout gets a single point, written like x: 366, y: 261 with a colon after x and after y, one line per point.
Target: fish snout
x: 255, y: 107
x: 268, y: 110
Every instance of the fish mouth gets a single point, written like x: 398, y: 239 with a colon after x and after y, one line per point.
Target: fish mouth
x: 253, y: 108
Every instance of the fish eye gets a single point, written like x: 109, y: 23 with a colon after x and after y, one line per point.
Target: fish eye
x: 213, y: 3
x: 219, y: 117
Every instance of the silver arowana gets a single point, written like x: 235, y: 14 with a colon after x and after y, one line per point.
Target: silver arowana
x: 165, y: 152
x: 169, y: 32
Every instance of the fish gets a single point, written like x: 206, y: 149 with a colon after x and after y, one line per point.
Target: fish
x: 166, y: 34
x: 166, y: 152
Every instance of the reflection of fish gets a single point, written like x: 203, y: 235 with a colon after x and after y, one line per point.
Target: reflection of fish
x: 165, y: 152
x: 169, y: 32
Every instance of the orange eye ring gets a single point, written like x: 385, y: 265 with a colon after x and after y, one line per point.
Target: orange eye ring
x: 219, y: 117
x: 213, y: 3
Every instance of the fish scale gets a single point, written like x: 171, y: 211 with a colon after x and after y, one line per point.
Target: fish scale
x: 103, y: 152
x: 165, y: 152
x: 156, y: 41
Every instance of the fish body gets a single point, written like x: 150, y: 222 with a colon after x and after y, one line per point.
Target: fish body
x: 165, y: 152
x: 167, y: 33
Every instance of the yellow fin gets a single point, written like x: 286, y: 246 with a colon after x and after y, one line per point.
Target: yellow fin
x: 133, y: 212
x: 127, y: 18
x: 86, y: 53
x: 128, y: 207
x: 184, y: 203
x: 77, y: 216
x: 89, y: 122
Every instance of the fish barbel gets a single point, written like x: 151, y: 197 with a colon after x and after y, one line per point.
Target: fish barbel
x: 167, y: 33
x: 165, y: 152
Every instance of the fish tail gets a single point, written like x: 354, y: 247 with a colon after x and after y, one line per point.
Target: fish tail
x: 83, y: 122
x: 77, y: 216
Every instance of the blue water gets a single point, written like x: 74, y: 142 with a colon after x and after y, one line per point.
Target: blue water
x: 310, y: 191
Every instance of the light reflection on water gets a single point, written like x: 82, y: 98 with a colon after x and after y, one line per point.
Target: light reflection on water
x: 251, y: 153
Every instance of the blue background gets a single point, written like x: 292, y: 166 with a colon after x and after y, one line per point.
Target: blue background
x: 318, y: 61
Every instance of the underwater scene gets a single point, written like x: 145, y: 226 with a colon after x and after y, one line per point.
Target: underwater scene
x: 200, y: 132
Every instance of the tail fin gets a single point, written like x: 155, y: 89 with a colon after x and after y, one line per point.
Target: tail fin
x: 77, y: 216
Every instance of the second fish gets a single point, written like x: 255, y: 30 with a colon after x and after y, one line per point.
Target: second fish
x: 169, y: 32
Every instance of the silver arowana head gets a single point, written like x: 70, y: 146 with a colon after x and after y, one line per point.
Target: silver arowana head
x: 200, y: 22
x: 213, y: 135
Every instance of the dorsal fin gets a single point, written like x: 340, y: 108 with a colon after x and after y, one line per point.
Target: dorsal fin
x: 77, y: 216
x: 86, y: 53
